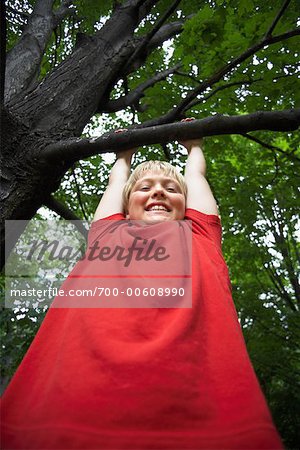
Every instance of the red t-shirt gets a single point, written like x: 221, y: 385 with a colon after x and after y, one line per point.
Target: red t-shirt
x: 137, y: 379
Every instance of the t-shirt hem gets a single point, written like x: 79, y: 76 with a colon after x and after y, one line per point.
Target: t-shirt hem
x: 118, y: 436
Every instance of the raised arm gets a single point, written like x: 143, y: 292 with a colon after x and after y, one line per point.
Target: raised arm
x: 199, y: 196
x: 111, y: 201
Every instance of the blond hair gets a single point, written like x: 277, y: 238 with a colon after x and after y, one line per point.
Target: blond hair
x: 152, y: 166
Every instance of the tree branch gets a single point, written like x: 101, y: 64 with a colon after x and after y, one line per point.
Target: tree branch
x: 63, y: 11
x: 271, y: 147
x: 279, y: 287
x: 2, y: 49
x: 166, y: 32
x: 133, y: 97
x: 284, y: 250
x: 228, y: 85
x: 277, y: 18
x: 24, y: 59
x: 98, y: 64
x: 76, y: 149
x: 143, y: 44
x: 143, y: 7
x: 233, y: 64
x: 42, y: 7
x: 63, y: 211
x: 176, y: 113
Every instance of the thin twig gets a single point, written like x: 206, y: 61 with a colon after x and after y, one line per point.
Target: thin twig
x: 220, y: 88
x: 271, y: 147
x: 277, y: 18
x: 183, y: 74
x: 22, y: 14
x: 276, y: 167
x: 78, y: 194
x: 166, y: 152
x: 15, y: 19
x: 228, y: 85
x: 150, y: 35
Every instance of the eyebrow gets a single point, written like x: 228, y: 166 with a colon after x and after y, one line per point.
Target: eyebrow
x: 167, y: 180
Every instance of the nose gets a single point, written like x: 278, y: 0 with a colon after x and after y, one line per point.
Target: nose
x: 158, y: 190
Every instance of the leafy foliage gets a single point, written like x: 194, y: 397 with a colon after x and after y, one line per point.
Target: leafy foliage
x: 256, y: 187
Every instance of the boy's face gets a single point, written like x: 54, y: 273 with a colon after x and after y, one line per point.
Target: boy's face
x: 156, y: 198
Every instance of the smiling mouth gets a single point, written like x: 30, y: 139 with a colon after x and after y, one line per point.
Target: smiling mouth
x: 158, y: 208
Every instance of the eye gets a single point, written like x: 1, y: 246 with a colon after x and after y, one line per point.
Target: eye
x: 171, y: 189
x: 144, y: 188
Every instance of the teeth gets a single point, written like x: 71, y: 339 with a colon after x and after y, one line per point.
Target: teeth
x: 157, y: 208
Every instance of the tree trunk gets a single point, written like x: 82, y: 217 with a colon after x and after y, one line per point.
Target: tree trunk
x: 59, y: 107
x: 25, y: 183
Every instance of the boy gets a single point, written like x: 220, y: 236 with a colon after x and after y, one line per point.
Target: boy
x: 198, y: 196
x: 152, y: 378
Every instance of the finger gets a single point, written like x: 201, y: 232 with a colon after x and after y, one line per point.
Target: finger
x: 120, y: 130
x: 188, y: 119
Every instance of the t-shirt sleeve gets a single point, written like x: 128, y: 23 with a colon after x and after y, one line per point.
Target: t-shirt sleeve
x: 206, y: 225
